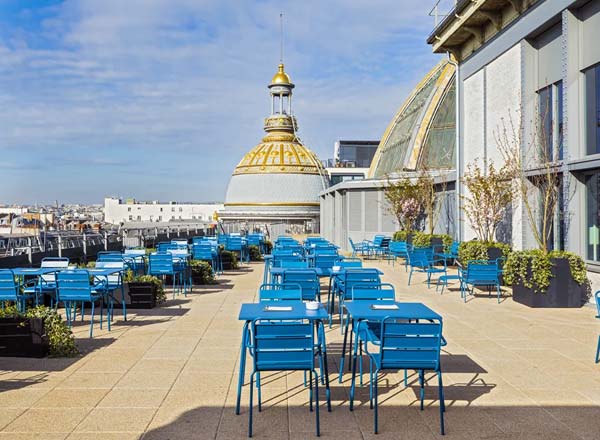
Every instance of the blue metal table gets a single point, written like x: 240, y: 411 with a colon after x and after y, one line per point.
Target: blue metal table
x: 105, y: 273
x: 252, y: 311
x: 364, y: 311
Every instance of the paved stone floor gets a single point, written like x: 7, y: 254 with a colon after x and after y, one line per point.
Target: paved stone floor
x: 170, y: 373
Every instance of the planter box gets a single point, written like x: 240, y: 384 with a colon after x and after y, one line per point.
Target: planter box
x: 141, y: 295
x: 23, y: 337
x: 562, y: 292
x: 226, y: 261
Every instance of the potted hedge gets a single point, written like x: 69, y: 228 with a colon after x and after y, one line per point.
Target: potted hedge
x: 421, y: 240
x: 202, y: 272
x: 547, y: 279
x: 144, y: 291
x: 229, y: 260
x: 36, y: 333
x: 254, y: 252
x: 403, y: 235
x: 482, y: 250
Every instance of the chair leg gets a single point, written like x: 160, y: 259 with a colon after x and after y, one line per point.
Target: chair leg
x: 442, y: 403
x: 598, y: 351
x: 251, y: 403
x: 310, y: 374
x: 375, y: 409
x: 422, y: 384
x: 258, y: 391
x: 92, y: 321
x: 317, y: 402
x: 409, y: 277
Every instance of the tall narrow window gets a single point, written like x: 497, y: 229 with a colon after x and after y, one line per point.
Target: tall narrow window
x: 592, y: 109
x: 559, y: 119
x: 592, y: 183
x: 545, y: 114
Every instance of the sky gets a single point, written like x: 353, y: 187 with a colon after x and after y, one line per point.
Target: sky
x: 160, y: 99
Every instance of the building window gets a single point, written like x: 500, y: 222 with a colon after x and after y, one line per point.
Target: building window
x: 139, y: 217
x: 130, y: 218
x: 550, y: 114
x: 160, y: 217
x: 592, y: 109
x: 129, y: 209
x: 161, y: 210
x: 180, y: 209
x: 172, y: 209
x: 592, y: 183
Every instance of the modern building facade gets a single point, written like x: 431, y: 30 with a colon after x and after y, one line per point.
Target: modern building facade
x: 277, y: 184
x: 537, y: 65
x: 419, y: 138
x: 117, y: 211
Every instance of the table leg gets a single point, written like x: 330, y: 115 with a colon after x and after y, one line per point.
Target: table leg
x: 342, y: 358
x: 354, y: 359
x: 324, y: 345
x: 242, y: 366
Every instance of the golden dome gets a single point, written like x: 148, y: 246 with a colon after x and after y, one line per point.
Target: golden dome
x: 281, y: 77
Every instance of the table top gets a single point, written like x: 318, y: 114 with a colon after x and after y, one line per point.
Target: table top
x: 20, y: 271
x: 252, y: 311
x: 406, y: 310
x: 106, y: 271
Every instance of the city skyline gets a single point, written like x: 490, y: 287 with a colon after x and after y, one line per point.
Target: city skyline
x: 160, y: 99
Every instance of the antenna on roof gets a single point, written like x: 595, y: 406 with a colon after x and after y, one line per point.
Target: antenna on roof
x: 281, y: 35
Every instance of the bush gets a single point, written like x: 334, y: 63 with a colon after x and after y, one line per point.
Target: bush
x: 202, y: 272
x: 268, y: 246
x: 254, y: 253
x: 161, y: 297
x: 401, y: 235
x: 228, y: 256
x: 518, y: 265
x: 61, y: 341
x: 478, y: 250
x: 421, y: 239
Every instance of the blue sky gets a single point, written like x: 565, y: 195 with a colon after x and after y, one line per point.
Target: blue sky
x: 160, y: 99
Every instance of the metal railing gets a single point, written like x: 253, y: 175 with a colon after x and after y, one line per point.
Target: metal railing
x: 442, y: 9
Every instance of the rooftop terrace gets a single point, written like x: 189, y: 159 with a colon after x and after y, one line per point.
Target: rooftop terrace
x: 170, y: 373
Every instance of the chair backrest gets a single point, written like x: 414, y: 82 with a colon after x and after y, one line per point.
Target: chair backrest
x: 399, y: 246
x: 349, y: 262
x: 135, y: 252
x: 8, y: 286
x: 283, y: 345
x: 202, y: 251
x: 359, y: 276
x: 371, y: 292
x: 482, y: 272
x: 180, y: 243
x: 73, y: 285
x: 181, y: 253
x: 280, y: 258
x: 326, y: 261
x: 234, y: 243
x: 53, y: 262
x: 290, y: 248
x: 165, y: 246
x: 110, y: 257
x: 414, y: 344
x: 420, y: 257
x: 114, y: 279
x: 307, y: 279
x: 454, y: 248
x: 352, y: 244
x: 160, y: 263
x: 280, y: 292
x: 295, y: 264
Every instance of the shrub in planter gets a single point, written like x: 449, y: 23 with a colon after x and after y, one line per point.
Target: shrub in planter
x: 145, y: 291
x: 421, y: 239
x: 202, y: 272
x: 547, y: 279
x: 402, y: 235
x: 39, y: 331
x: 268, y: 246
x: 254, y: 253
x: 229, y: 260
x: 482, y: 250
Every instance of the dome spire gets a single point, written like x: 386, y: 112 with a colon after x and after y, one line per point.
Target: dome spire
x: 281, y: 39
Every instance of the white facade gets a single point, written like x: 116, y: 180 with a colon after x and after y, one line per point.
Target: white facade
x: 116, y: 211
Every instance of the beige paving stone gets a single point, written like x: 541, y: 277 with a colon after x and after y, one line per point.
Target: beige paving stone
x: 48, y: 420
x: 133, y: 398
x: 89, y: 380
x: 105, y: 436
x: 20, y: 397
x: 116, y: 419
x: 7, y: 415
x: 67, y: 398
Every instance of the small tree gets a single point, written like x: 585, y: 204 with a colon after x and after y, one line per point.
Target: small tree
x: 489, y: 195
x: 404, y: 201
x: 425, y: 188
x: 536, y: 181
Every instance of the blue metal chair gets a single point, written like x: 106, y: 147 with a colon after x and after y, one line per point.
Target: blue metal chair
x: 399, y: 249
x: 414, y: 345
x: 73, y: 286
x: 307, y: 279
x: 349, y: 262
x: 451, y: 254
x: 294, y: 264
x: 598, y: 316
x: 343, y: 284
x: 480, y: 273
x: 46, y: 284
x: 325, y: 262
x: 114, y: 282
x: 161, y: 264
x: 283, y: 346
x: 10, y: 290
x: 204, y: 251
x: 235, y: 243
x: 362, y: 247
x: 379, y: 246
x: 422, y: 260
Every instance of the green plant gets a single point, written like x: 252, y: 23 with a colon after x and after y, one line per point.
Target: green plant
x: 401, y: 235
x: 61, y: 342
x: 232, y: 257
x: 533, y: 268
x: 161, y: 296
x: 478, y: 250
x: 202, y: 272
x: 254, y: 253
x: 421, y: 239
x: 268, y: 246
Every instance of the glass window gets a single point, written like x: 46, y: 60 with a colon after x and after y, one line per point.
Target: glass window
x: 545, y: 131
x: 592, y: 109
x: 592, y: 183
x: 560, y: 118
